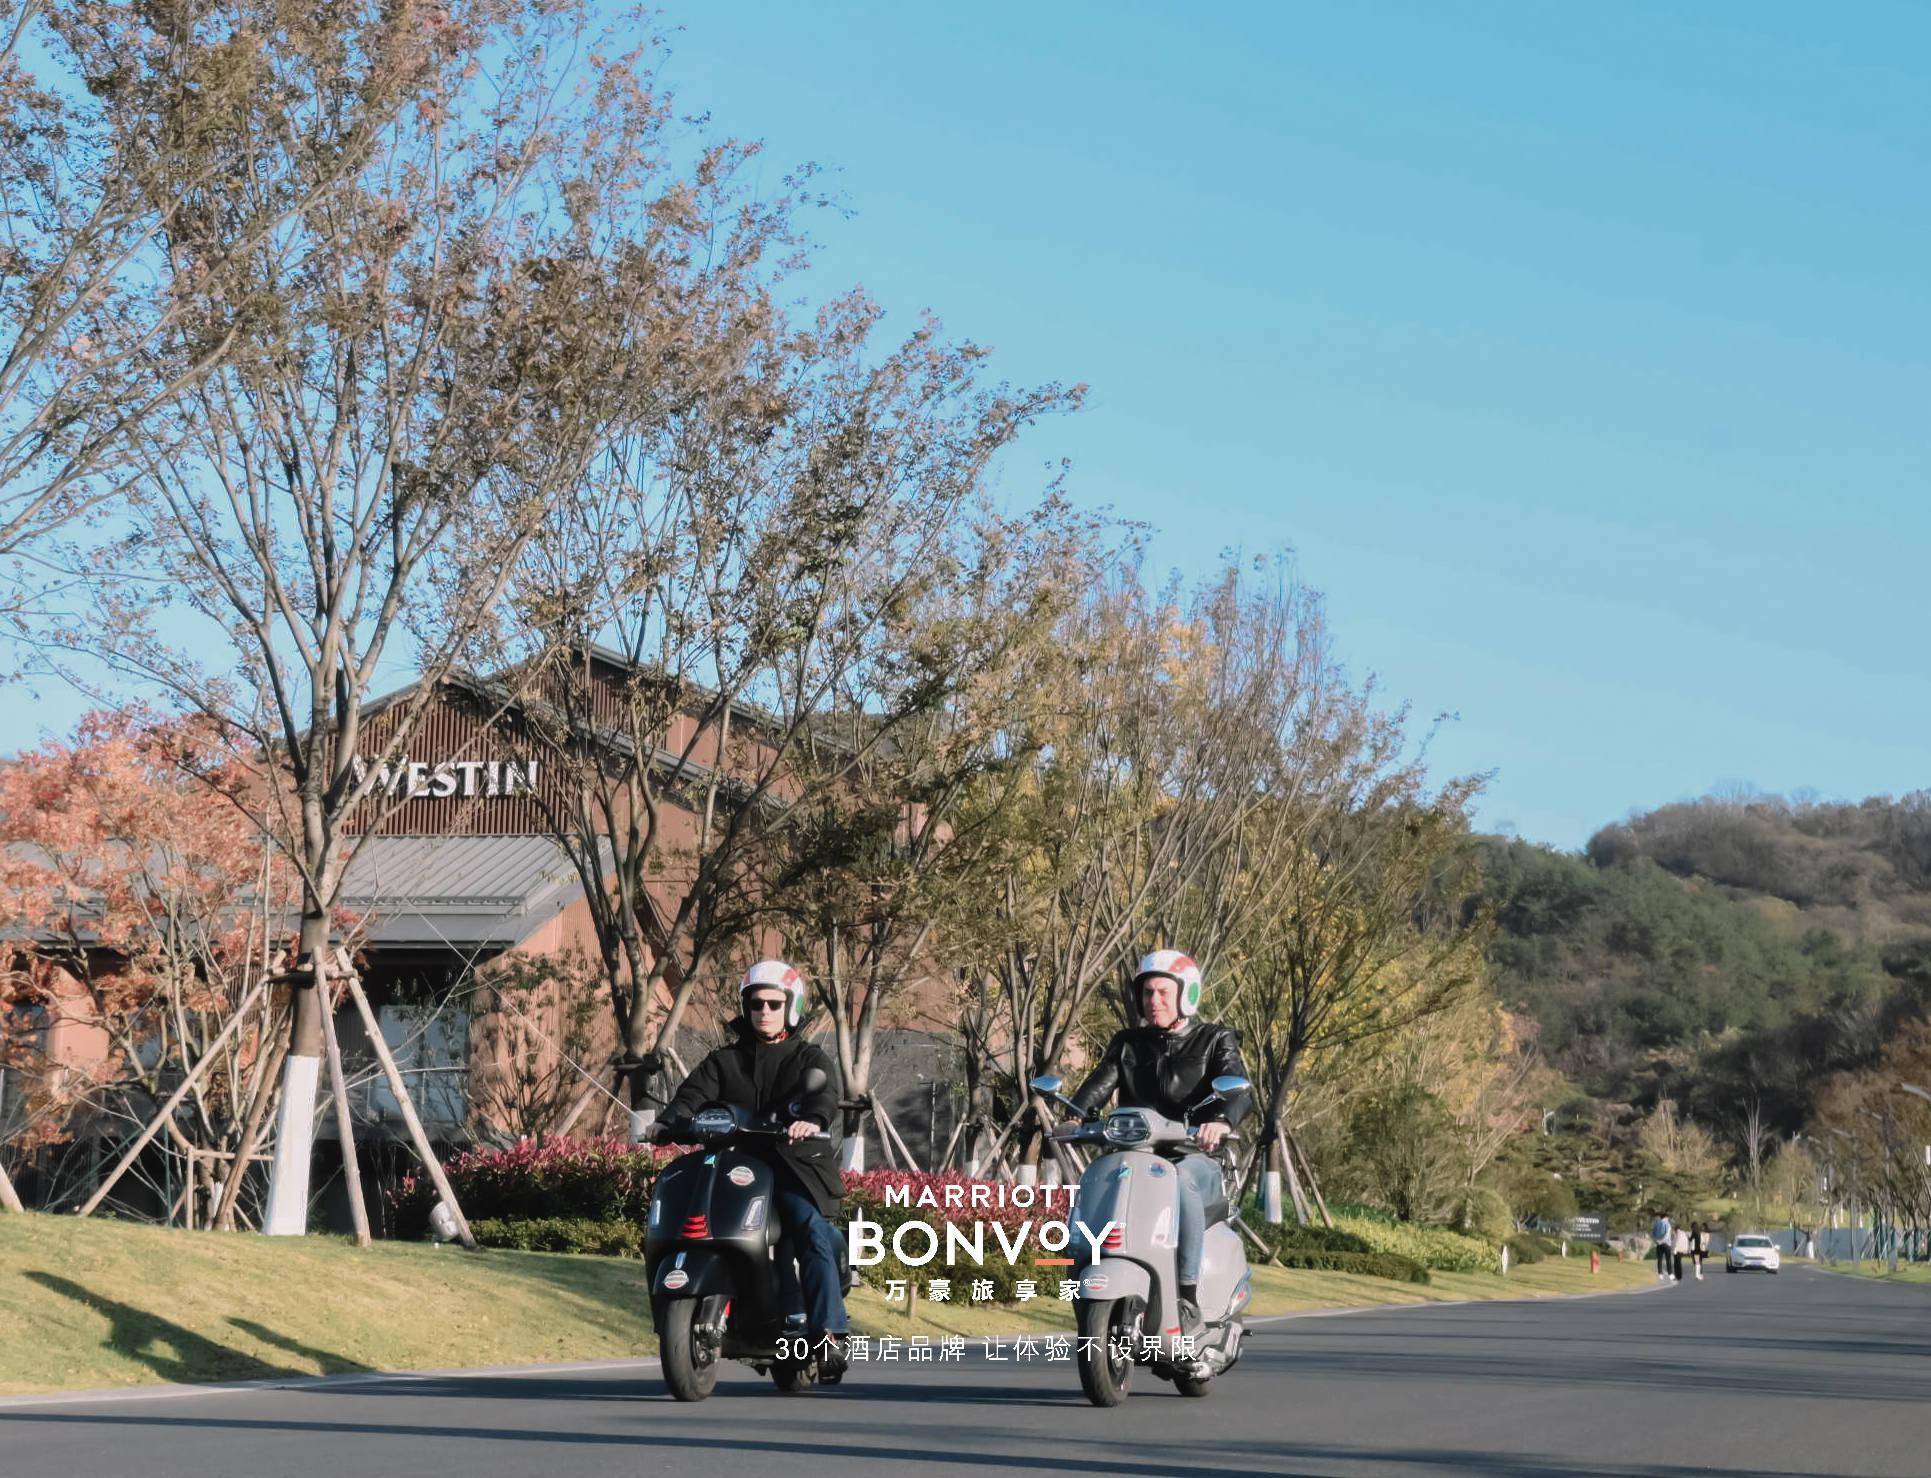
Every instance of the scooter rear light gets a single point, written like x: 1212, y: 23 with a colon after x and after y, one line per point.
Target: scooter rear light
x: 697, y: 1226
x: 1114, y: 1240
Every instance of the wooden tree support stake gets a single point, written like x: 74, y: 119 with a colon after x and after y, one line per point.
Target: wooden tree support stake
x: 424, y: 1150
x: 146, y: 1136
x: 344, y: 1128
x: 1301, y: 1213
x: 1307, y: 1169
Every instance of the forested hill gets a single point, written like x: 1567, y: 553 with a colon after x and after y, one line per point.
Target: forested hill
x: 1720, y: 950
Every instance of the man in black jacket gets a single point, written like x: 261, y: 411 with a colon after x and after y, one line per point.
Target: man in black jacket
x: 762, y: 1071
x: 1169, y: 1065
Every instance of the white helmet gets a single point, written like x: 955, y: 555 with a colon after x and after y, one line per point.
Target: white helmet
x: 776, y: 975
x: 1178, y: 968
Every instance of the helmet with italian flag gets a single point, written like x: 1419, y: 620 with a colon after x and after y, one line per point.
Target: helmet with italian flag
x: 1178, y: 968
x: 776, y: 975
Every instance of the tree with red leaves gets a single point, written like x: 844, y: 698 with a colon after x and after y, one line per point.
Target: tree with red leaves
x: 133, y: 886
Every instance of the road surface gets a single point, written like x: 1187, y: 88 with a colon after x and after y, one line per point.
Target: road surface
x: 1806, y: 1373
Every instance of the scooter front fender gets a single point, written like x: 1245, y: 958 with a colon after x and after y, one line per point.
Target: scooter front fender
x: 690, y: 1274
x: 1115, y: 1277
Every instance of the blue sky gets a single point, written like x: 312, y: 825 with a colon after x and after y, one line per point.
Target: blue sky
x: 1580, y: 353
x: 1583, y: 354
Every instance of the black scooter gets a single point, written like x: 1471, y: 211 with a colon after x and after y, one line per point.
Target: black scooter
x: 711, y: 1254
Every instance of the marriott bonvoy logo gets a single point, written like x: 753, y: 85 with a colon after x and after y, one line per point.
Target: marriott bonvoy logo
x: 916, y: 1243
x: 406, y: 779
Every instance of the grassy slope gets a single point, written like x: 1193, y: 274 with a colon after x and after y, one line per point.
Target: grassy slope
x: 108, y: 1304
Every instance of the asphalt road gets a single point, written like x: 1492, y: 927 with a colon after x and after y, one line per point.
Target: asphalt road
x: 1800, y: 1374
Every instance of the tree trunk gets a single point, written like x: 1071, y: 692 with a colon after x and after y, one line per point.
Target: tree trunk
x: 9, y: 1198
x: 286, y: 1214
x: 1271, y: 1184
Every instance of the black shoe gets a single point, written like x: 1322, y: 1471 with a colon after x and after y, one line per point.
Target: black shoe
x: 834, y: 1358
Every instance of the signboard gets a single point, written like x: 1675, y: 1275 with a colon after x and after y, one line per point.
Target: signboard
x: 1587, y: 1228
x: 408, y: 780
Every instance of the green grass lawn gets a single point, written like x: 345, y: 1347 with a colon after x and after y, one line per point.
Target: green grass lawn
x: 1919, y: 1273
x: 104, y: 1303
x: 101, y: 1303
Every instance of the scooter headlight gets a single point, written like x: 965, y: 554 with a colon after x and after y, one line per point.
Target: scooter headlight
x: 1126, y: 1126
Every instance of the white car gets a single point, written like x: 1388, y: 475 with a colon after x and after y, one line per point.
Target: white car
x: 1752, y: 1251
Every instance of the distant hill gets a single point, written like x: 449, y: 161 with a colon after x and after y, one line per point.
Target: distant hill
x: 1719, y: 950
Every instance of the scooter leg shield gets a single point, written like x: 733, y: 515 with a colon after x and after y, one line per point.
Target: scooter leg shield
x: 1223, y: 1272
x: 1115, y: 1277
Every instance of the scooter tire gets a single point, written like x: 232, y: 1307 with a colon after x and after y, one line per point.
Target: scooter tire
x: 1103, y: 1378
x: 689, y: 1378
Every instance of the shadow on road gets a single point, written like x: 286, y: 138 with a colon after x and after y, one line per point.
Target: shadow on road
x: 1061, y: 1455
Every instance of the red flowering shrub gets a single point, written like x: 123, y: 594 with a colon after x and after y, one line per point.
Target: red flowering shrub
x: 601, y: 1180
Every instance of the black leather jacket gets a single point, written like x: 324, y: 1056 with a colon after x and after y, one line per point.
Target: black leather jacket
x: 1168, y: 1072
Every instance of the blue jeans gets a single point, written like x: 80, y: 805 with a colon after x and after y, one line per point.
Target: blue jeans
x: 1200, y: 1183
x: 812, y: 1242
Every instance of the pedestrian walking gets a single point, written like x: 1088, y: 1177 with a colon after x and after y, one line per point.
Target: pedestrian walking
x: 1699, y: 1246
x: 1680, y: 1250
x: 1659, y: 1233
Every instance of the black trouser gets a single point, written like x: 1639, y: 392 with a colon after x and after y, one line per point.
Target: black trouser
x: 1662, y: 1258
x: 1679, y: 1266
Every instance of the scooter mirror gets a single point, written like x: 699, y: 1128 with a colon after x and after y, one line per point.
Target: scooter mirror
x: 1227, y: 1085
x: 1046, y: 1084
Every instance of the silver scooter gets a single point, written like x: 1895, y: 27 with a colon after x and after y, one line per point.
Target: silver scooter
x: 1127, y: 1304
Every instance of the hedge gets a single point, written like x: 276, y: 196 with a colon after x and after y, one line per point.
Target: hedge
x: 1432, y: 1247
x: 561, y: 1234
x: 1291, y: 1236
x: 1373, y: 1264
x: 1524, y: 1250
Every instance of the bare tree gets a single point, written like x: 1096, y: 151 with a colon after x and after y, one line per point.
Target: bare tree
x: 1373, y: 930
x: 893, y: 843
x: 735, y: 571
x: 427, y: 356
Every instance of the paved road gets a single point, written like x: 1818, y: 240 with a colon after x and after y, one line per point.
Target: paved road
x: 1801, y: 1374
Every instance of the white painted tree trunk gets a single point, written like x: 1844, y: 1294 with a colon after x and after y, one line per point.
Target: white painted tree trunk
x: 1271, y: 1197
x: 286, y: 1214
x: 1028, y: 1174
x: 641, y: 1122
x: 851, y: 1155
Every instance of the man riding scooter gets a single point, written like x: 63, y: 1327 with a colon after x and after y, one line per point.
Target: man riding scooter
x: 764, y: 1071
x: 1168, y: 1064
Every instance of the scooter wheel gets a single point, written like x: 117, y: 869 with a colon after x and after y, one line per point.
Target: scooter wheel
x: 1101, y: 1375
x: 690, y: 1373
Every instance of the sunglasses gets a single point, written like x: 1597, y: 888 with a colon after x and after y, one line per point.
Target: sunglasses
x: 757, y: 1005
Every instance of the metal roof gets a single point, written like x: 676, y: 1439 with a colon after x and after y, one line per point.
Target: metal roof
x: 466, y: 890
